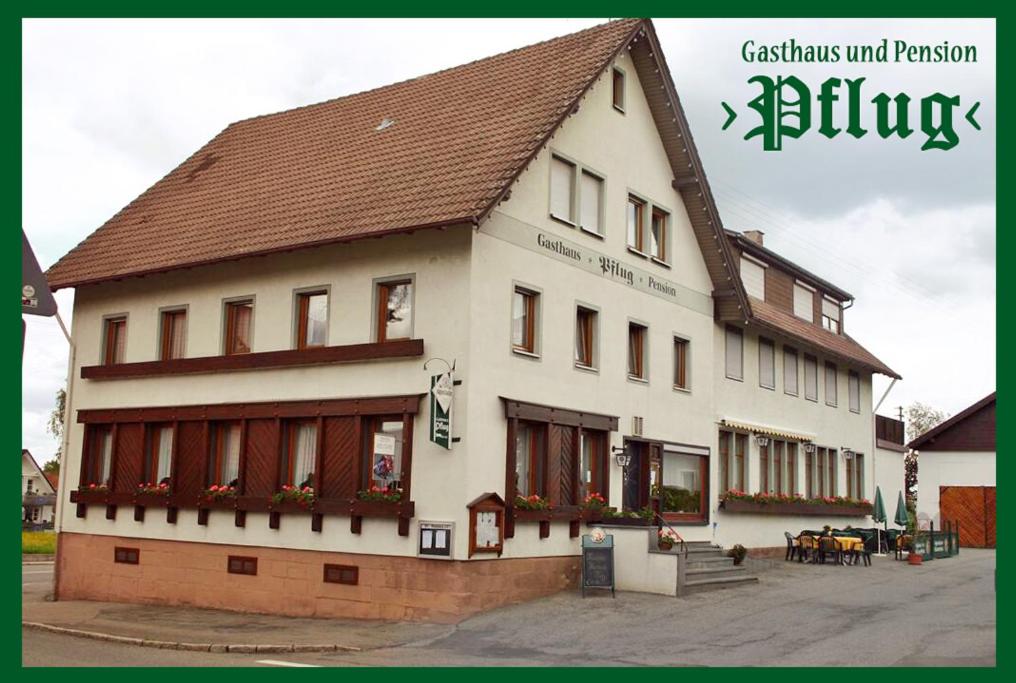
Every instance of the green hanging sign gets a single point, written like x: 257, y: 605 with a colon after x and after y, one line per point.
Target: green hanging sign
x: 441, y: 391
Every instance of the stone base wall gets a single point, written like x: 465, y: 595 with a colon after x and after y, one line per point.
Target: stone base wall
x: 771, y: 553
x: 291, y: 581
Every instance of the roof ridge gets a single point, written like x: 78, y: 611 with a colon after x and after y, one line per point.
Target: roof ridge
x: 388, y: 86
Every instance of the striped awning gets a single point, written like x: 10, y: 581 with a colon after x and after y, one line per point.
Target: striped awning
x: 768, y: 430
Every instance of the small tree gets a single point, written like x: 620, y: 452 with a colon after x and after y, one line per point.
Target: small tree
x: 920, y: 418
x: 53, y: 466
x: 55, y: 426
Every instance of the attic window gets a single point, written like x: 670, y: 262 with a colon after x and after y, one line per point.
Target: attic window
x: 618, y: 80
x: 385, y: 123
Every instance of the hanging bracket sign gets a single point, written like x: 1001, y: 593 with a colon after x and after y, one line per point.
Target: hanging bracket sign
x: 441, y: 393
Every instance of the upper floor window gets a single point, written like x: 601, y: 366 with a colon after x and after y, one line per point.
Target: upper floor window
x: 681, y: 363
x: 239, y: 323
x: 562, y: 189
x: 530, y: 458
x: 734, y: 353
x: 855, y: 475
x: 658, y: 234
x: 585, y: 337
x: 854, y: 391
x: 174, y: 334
x: 831, y: 315
x: 637, y: 342
x: 636, y: 223
x: 753, y: 276
x: 766, y: 364
x: 312, y: 319
x: 804, y: 302
x: 830, y: 384
x: 591, y: 196
x: 618, y: 89
x: 224, y: 463
x: 811, y: 378
x: 114, y: 340
x: 394, y: 310
x: 159, y: 457
x: 789, y: 371
x: 300, y: 453
x: 524, y: 327
x: 98, y: 469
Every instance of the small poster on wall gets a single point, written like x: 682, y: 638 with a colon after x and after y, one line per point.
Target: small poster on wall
x: 387, y: 457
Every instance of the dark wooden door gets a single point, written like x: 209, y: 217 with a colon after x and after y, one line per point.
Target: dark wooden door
x: 973, y: 508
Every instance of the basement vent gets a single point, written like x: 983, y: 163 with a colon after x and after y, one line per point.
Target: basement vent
x: 126, y: 555
x: 385, y: 123
x: 242, y: 565
x: 342, y: 573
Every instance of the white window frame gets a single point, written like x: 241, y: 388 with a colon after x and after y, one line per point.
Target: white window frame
x: 745, y: 258
x: 739, y: 333
x: 578, y: 171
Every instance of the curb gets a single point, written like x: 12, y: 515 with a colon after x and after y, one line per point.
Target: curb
x: 37, y: 559
x: 193, y: 647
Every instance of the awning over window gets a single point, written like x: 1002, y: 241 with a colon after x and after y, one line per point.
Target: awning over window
x: 778, y: 432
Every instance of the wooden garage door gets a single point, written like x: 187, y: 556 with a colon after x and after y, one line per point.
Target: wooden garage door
x: 973, y: 507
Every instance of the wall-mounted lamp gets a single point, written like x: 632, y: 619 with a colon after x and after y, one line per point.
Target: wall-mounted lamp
x: 848, y: 453
x: 809, y: 447
x: 621, y: 455
x: 762, y: 440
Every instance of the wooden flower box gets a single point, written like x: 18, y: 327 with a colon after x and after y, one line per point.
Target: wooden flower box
x: 521, y: 515
x: 89, y: 496
x: 626, y: 521
x: 380, y: 508
x: 802, y: 509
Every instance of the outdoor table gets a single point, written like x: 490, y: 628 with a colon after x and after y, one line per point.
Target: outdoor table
x: 846, y: 544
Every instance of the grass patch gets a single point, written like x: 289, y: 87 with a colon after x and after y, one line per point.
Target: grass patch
x: 38, y: 542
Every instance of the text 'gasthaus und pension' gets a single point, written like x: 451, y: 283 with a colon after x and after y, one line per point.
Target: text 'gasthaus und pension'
x: 899, y: 51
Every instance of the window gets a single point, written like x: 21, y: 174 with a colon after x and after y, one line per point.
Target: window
x: 300, y: 454
x: 682, y: 490
x: 618, y: 91
x: 804, y: 302
x: 778, y: 467
x: 825, y: 473
x: 681, y: 363
x: 562, y: 189
x: 636, y: 222
x: 733, y: 447
x: 854, y: 391
x: 159, y: 458
x: 637, y: 341
x: 239, y: 320
x: 530, y: 458
x: 100, y: 456
x: 585, y: 337
x: 312, y: 319
x: 855, y: 475
x: 789, y: 371
x: 763, y: 455
x: 810, y: 378
x: 593, y: 468
x: 830, y: 384
x: 524, y: 320
x: 115, y: 340
x: 753, y: 276
x: 790, y: 485
x: 724, y: 463
x: 174, y: 334
x: 734, y: 353
x: 809, y: 474
x: 658, y: 235
x: 394, y: 310
x: 242, y: 565
x: 591, y: 194
x: 382, y: 465
x: 831, y: 315
x: 224, y: 464
x: 766, y: 364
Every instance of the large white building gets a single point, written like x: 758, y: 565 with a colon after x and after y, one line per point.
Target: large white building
x: 541, y: 219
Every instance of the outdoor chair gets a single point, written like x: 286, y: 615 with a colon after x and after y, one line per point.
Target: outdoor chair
x: 793, y: 546
x: 903, y: 542
x: 827, y: 546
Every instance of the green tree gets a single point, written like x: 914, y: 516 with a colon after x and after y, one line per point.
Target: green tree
x: 55, y: 426
x: 52, y: 466
x: 919, y: 417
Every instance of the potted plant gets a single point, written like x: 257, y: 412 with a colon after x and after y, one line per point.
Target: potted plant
x: 593, y: 507
x: 666, y: 538
x: 303, y: 497
x: 533, y: 502
x: 219, y: 493
x: 738, y: 552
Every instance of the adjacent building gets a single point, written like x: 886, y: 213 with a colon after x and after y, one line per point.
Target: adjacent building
x: 260, y: 319
x: 956, y: 474
x: 38, y: 494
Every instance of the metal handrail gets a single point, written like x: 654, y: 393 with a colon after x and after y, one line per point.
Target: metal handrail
x: 680, y: 539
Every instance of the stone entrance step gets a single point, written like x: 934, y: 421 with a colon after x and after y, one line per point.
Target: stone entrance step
x: 707, y: 567
x: 701, y: 585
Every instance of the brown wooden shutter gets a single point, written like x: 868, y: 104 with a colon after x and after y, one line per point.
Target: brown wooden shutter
x: 339, y: 458
x: 262, y: 457
x: 128, y: 452
x: 191, y: 458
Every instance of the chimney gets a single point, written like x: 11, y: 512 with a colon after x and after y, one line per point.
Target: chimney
x: 755, y: 236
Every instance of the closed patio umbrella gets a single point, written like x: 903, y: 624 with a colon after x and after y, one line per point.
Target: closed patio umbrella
x: 878, y: 514
x: 902, y: 518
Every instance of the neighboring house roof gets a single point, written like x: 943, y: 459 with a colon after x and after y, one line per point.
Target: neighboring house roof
x: 324, y: 173
x: 972, y: 429
x: 756, y: 249
x: 53, y: 478
x: 840, y: 346
x: 27, y: 456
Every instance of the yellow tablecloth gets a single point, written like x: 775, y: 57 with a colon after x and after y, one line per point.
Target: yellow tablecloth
x: 845, y: 543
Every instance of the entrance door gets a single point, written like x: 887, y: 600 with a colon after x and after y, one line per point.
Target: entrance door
x: 634, y: 490
x: 973, y: 508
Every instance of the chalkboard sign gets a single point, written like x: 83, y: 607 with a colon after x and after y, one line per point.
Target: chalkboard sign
x: 597, y: 563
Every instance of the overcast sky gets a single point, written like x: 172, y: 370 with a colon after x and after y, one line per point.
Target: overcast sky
x: 111, y: 106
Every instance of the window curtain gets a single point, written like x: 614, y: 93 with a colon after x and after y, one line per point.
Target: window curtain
x: 523, y: 439
x: 241, y: 328
x: 230, y: 436
x: 519, y: 319
x: 176, y: 335
x: 107, y: 457
x: 306, y: 448
x: 165, y: 454
x: 119, y: 341
x: 581, y: 347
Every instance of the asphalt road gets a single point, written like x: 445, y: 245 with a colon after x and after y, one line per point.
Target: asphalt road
x: 941, y: 614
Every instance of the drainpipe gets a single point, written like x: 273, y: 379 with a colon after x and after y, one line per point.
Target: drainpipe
x: 64, y: 450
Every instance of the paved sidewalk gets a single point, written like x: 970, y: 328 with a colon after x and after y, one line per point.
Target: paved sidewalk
x: 219, y: 631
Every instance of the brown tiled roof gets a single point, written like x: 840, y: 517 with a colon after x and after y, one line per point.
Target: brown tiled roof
x: 322, y: 173
x: 956, y: 419
x: 838, y: 345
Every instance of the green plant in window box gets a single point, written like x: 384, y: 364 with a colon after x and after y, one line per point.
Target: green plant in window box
x: 377, y: 494
x: 295, y: 494
x: 594, y: 501
x: 533, y: 502
x: 220, y: 492
x: 151, y: 488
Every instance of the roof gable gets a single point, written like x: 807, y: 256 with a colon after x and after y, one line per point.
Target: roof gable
x: 971, y: 429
